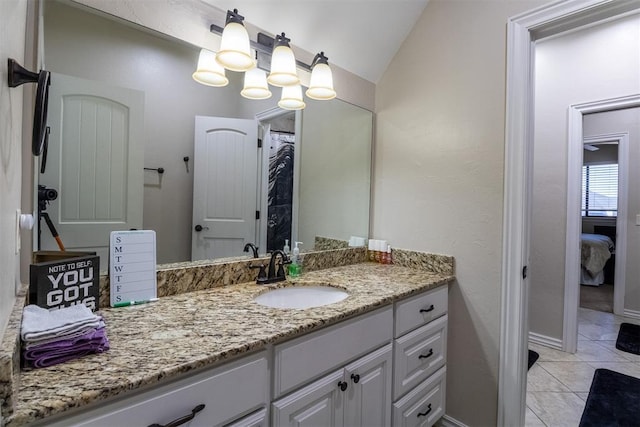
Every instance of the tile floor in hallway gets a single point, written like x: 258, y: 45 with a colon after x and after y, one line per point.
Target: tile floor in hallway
x: 558, y: 383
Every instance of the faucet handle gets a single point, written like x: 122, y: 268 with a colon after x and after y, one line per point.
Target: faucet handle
x: 262, y: 274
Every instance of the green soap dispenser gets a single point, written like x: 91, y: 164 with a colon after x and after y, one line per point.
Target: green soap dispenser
x: 295, y: 268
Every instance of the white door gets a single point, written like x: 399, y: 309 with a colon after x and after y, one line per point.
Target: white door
x: 94, y: 161
x: 225, y: 185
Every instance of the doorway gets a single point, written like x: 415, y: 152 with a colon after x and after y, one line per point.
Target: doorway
x: 523, y: 30
x: 577, y: 114
x: 599, y: 212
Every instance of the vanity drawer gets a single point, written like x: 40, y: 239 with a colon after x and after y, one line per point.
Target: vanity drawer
x: 424, y: 405
x: 303, y: 359
x: 419, y: 310
x: 228, y: 393
x: 419, y: 354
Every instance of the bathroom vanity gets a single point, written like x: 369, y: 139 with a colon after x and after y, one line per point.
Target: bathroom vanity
x: 376, y: 358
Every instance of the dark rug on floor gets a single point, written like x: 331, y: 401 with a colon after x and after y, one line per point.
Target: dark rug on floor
x: 613, y: 400
x: 629, y: 338
x: 533, y: 356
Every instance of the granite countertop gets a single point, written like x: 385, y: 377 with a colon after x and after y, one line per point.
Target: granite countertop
x: 177, y: 334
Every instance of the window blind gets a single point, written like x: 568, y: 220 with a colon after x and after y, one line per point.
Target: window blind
x: 600, y: 190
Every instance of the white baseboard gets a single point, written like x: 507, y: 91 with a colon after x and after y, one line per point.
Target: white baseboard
x: 634, y: 314
x: 447, y: 421
x: 545, y: 341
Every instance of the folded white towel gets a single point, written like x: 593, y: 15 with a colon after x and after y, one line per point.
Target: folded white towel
x: 78, y: 333
x: 41, y: 324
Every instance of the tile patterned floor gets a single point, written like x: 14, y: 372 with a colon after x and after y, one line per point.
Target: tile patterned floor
x: 558, y: 384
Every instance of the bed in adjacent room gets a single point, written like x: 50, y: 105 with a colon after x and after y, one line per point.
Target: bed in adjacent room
x: 596, y: 249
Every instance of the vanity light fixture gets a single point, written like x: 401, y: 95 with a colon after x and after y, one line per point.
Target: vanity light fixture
x: 209, y: 72
x: 321, y: 84
x: 291, y: 98
x: 235, y: 48
x: 283, y: 64
x: 255, y: 85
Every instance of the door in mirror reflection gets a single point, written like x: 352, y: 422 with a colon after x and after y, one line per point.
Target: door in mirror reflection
x: 225, y: 186
x: 94, y: 161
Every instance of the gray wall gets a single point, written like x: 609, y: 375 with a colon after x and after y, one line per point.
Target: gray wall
x: 627, y: 120
x: 597, y: 63
x: 438, y: 181
x: 13, y: 18
x: 86, y: 45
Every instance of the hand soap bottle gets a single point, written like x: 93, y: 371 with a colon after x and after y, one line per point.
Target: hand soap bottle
x: 295, y: 268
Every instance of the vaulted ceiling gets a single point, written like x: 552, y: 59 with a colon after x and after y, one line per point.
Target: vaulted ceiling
x: 361, y: 36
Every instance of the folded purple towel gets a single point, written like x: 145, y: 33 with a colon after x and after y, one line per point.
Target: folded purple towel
x: 66, y: 350
x: 94, y: 338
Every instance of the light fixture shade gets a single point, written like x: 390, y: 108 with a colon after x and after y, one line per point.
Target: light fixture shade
x: 209, y: 72
x: 291, y: 98
x: 321, y: 83
x: 235, y: 49
x: 283, y: 64
x: 255, y: 85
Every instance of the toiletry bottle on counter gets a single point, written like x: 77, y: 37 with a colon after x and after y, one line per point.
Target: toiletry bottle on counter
x: 286, y: 249
x: 295, y: 268
x: 388, y: 259
x: 371, y: 253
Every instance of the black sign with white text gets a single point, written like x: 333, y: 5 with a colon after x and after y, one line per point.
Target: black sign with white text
x: 67, y: 282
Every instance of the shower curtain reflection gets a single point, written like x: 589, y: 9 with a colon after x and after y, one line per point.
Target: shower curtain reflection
x: 280, y: 194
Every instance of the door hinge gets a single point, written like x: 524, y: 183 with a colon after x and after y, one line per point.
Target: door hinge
x: 257, y: 214
x: 259, y: 143
x: 524, y: 272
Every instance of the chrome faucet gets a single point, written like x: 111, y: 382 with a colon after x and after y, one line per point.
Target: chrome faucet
x: 253, y: 248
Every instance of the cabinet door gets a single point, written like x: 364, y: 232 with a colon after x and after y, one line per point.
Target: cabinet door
x: 369, y: 393
x: 318, y: 404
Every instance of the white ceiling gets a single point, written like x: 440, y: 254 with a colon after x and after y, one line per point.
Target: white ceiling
x: 361, y: 36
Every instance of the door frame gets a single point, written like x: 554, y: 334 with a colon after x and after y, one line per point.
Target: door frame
x: 574, y: 219
x: 522, y: 32
x: 263, y: 174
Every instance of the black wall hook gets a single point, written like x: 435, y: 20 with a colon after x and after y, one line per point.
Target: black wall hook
x: 18, y: 75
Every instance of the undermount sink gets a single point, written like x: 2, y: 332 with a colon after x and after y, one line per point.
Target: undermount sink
x: 301, y: 297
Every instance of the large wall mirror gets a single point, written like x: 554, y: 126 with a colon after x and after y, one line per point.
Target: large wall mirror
x: 123, y: 104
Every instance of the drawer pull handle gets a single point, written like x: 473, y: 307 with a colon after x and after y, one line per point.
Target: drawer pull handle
x: 343, y: 385
x: 427, y: 310
x: 355, y: 378
x: 182, y: 420
x: 426, y: 356
x: 425, y: 413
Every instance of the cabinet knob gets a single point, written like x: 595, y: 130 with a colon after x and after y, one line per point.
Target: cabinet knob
x: 425, y: 413
x: 199, y: 228
x: 343, y: 385
x: 426, y: 356
x: 182, y: 420
x: 427, y: 310
x: 355, y: 378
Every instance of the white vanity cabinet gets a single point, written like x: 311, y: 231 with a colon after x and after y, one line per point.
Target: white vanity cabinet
x: 323, y: 378
x: 420, y: 354
x: 331, y: 388
x: 236, y: 393
x: 357, y: 395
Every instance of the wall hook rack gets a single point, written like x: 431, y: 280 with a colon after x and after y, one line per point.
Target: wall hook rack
x: 18, y: 75
x: 159, y: 170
